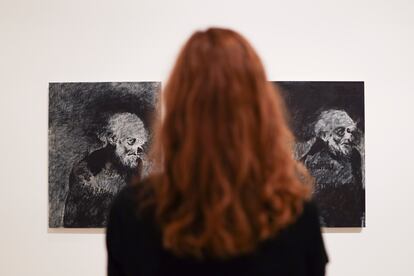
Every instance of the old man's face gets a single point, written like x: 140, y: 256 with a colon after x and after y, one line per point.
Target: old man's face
x: 342, y: 139
x: 127, y: 134
x: 338, y: 130
x: 129, y: 147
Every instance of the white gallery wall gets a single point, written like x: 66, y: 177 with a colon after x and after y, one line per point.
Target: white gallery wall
x: 81, y: 40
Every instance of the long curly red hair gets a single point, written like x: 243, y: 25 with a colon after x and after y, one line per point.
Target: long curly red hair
x: 226, y: 178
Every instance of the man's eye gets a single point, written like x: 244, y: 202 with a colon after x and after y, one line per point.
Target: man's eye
x: 350, y: 130
x: 340, y: 131
x: 131, y: 141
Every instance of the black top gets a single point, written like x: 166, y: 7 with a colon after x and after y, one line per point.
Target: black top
x: 134, y: 248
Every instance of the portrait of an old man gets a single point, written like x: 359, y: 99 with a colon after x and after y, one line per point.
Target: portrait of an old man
x: 98, y: 177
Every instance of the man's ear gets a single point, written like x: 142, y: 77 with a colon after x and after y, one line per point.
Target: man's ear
x: 112, y: 139
x: 324, y: 135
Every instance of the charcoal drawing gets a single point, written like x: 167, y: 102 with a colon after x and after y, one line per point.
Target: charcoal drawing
x: 328, y: 121
x: 98, y: 140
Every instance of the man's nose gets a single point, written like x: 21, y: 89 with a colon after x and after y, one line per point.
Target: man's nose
x: 139, y: 150
x: 349, y: 136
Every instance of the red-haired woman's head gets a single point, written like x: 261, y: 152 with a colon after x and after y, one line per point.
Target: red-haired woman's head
x: 228, y: 179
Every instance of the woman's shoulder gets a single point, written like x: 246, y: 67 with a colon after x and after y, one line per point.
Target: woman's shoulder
x: 305, y: 231
x: 307, y: 227
x: 305, y: 223
x: 309, y: 216
x: 130, y: 232
x: 131, y: 201
x: 310, y: 210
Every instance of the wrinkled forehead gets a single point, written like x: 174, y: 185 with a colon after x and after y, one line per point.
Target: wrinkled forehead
x: 132, y: 130
x: 342, y: 121
x: 333, y: 119
x: 127, y: 125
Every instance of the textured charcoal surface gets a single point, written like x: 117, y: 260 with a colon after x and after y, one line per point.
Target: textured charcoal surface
x: 327, y: 119
x: 78, y: 116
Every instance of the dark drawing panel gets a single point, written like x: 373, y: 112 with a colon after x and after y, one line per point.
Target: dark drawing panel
x: 78, y: 115
x: 337, y: 161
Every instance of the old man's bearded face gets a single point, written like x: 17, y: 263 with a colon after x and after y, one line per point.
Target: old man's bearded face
x: 129, y: 148
x: 338, y: 130
x: 342, y: 139
x: 129, y: 138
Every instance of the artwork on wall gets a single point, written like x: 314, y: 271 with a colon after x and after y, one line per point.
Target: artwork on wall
x: 99, y: 136
x: 327, y: 119
x: 98, y: 140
